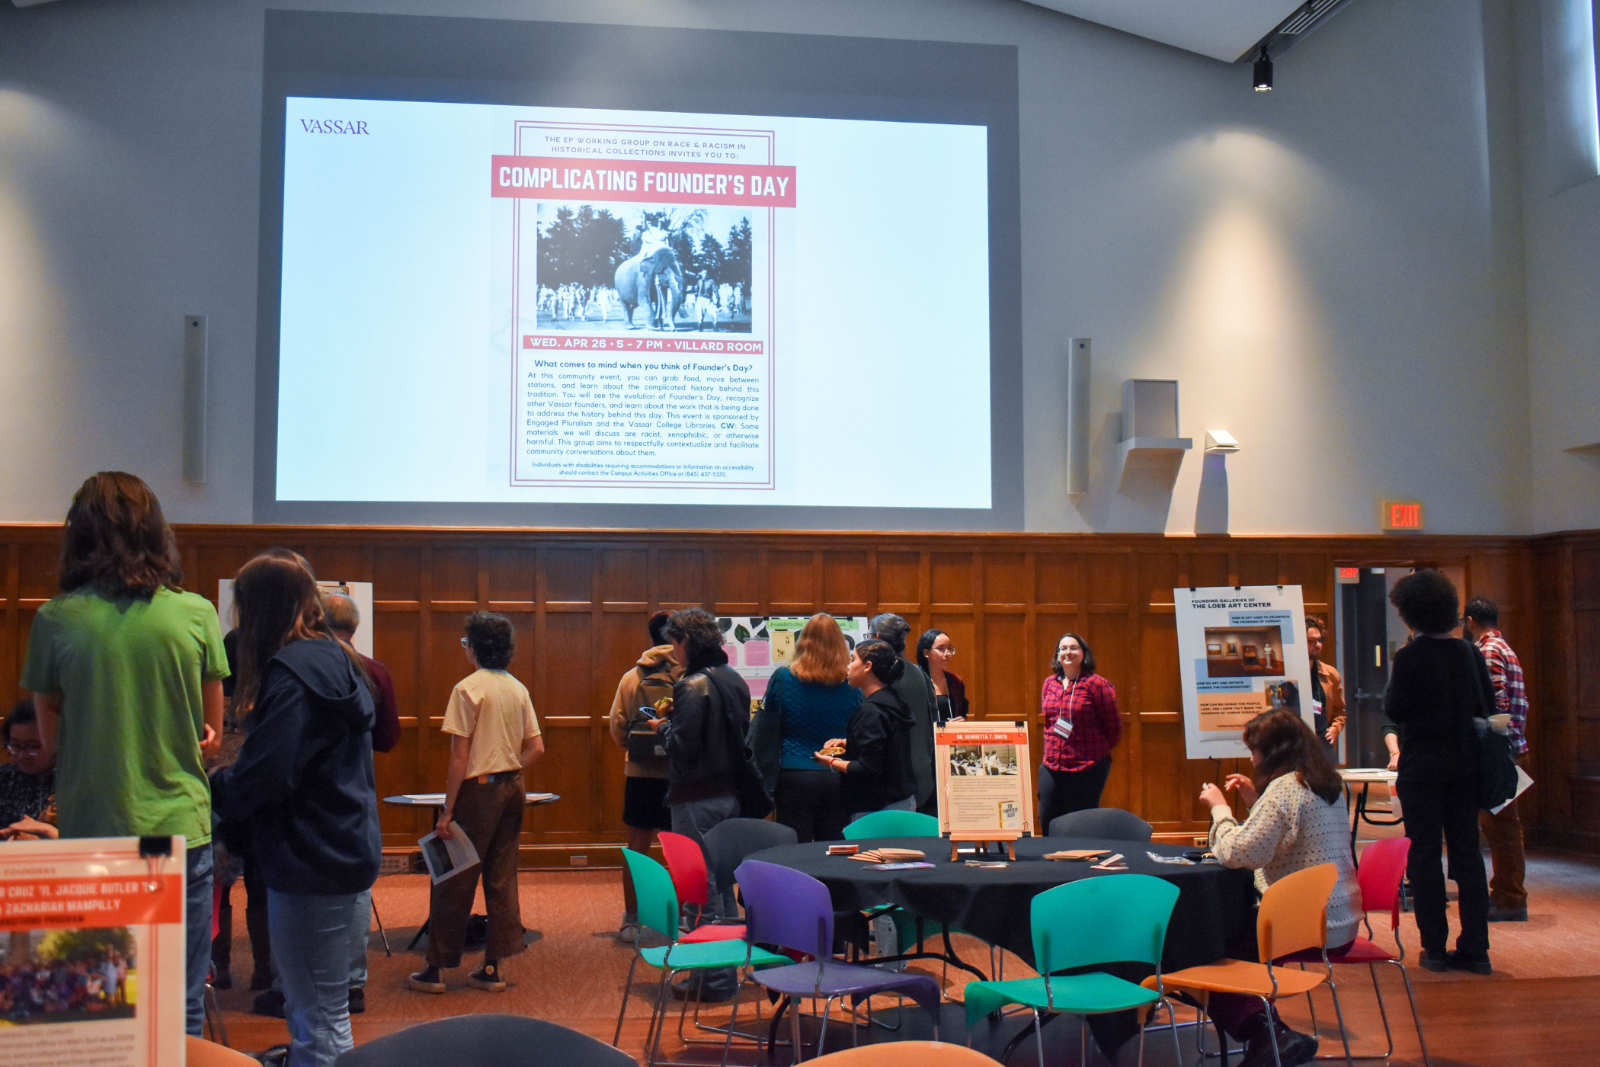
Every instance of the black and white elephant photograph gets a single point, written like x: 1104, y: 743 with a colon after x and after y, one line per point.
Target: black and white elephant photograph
x: 622, y: 267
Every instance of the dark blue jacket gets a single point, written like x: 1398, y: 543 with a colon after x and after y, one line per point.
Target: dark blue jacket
x: 303, y: 781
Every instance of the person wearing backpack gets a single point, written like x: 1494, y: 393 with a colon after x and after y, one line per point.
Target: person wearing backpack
x: 647, y: 684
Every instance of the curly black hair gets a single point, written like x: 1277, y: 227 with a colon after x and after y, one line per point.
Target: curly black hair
x: 1427, y: 601
x: 492, y: 639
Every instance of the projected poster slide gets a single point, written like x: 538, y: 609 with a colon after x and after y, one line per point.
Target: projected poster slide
x: 1241, y: 651
x: 517, y: 304
x: 644, y: 347
x: 91, y: 953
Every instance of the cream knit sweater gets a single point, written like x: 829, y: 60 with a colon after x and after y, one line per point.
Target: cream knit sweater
x: 1289, y: 829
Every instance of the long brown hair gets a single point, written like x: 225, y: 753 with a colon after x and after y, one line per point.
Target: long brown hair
x: 1283, y: 743
x: 276, y: 597
x: 821, y: 654
x: 117, y: 539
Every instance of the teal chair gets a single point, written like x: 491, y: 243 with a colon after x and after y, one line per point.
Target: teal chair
x: 1118, y: 918
x: 658, y: 911
x: 892, y: 824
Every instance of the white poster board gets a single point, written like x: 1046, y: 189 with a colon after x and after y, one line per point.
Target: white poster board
x: 91, y: 953
x: 1241, y: 650
x: 985, y: 780
x: 360, y: 592
x: 757, y: 645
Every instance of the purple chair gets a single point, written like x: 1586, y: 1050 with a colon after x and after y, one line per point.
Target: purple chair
x: 792, y: 911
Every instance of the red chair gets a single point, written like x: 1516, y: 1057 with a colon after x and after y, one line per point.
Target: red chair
x: 687, y: 866
x: 1379, y: 875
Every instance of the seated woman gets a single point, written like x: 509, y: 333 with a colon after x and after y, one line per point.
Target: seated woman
x: 876, y: 756
x: 27, y: 783
x: 1297, y: 819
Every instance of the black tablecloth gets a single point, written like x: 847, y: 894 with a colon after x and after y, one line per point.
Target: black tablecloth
x: 1215, y: 905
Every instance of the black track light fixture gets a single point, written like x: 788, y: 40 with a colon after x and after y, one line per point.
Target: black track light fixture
x: 1261, y: 72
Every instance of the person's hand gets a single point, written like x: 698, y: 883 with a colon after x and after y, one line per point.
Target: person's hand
x: 655, y: 724
x: 1243, y: 786
x: 442, y: 827
x: 210, y: 742
x: 833, y: 743
x: 1394, y: 760
x: 1211, y: 796
x: 28, y: 828
x: 1331, y: 734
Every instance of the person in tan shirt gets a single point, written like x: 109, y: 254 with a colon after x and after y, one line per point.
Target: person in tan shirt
x: 493, y: 736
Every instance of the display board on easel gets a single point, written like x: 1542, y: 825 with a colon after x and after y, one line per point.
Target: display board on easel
x: 92, y: 952
x: 985, y: 783
x: 1241, y: 651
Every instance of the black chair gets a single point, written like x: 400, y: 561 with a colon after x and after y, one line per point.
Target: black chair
x: 732, y: 841
x: 502, y: 1040
x: 1113, y: 823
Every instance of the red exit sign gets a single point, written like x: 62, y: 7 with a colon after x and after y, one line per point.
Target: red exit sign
x: 1402, y: 514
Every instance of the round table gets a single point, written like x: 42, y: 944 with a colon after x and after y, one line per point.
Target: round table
x: 436, y: 802
x: 1215, y: 908
x: 1362, y: 779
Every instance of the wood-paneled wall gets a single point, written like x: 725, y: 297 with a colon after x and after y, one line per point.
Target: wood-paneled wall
x: 579, y: 599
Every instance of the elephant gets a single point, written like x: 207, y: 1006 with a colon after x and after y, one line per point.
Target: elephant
x: 653, y: 278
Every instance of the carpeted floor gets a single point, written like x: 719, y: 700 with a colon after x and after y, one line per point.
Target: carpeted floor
x: 573, y: 968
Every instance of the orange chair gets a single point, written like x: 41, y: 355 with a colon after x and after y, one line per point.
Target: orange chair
x: 1380, y: 872
x: 1292, y: 918
x: 906, y: 1054
x: 199, y: 1052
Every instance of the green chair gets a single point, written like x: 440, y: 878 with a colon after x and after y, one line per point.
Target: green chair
x: 1119, y: 918
x: 892, y: 823
x: 658, y: 911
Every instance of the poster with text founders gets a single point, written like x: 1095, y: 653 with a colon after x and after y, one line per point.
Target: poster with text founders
x: 1241, y: 651
x: 642, y: 296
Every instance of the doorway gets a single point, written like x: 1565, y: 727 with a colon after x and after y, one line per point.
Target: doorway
x: 1369, y: 632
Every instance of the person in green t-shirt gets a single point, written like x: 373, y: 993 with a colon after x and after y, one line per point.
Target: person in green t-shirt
x: 126, y: 673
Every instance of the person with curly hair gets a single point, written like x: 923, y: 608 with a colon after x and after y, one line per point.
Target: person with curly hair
x: 1438, y: 684
x: 126, y: 671
x: 494, y: 736
x: 1078, y: 706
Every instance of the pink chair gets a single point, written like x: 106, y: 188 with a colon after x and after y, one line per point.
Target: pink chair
x: 687, y: 866
x: 1379, y: 875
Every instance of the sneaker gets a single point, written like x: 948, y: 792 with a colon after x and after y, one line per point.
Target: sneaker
x: 488, y: 978
x: 1496, y: 915
x: 628, y: 933
x: 1457, y: 960
x: 1434, y: 961
x: 276, y: 1056
x: 716, y: 989
x: 269, y: 1003
x: 1274, y: 1043
x: 426, y: 980
x: 358, y: 999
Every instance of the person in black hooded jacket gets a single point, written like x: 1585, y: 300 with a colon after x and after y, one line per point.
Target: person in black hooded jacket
x: 304, y: 784
x: 876, y: 762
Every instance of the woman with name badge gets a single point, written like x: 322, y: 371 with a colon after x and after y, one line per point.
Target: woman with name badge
x: 1081, y: 727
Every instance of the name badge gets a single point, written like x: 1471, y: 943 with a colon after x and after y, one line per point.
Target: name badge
x: 1063, y: 728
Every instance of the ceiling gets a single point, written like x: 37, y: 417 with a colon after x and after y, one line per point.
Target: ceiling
x: 1222, y: 29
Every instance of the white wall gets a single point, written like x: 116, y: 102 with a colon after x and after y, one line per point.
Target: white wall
x: 1334, y: 271
x: 1562, y: 204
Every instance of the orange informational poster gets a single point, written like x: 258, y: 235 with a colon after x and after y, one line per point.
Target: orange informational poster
x: 1241, y: 651
x: 985, y: 780
x: 91, y: 952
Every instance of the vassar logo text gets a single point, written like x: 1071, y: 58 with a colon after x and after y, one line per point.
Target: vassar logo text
x: 357, y: 126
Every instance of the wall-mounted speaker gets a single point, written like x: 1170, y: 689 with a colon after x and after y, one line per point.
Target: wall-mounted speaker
x: 196, y: 371
x: 1078, y: 415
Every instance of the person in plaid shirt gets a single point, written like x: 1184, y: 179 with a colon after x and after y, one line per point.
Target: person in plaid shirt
x: 1081, y: 727
x: 1508, y: 897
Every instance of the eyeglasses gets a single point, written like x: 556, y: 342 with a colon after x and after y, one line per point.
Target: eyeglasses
x: 464, y: 642
x: 18, y: 748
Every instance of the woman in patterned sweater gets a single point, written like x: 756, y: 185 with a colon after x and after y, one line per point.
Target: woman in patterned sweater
x: 1298, y: 819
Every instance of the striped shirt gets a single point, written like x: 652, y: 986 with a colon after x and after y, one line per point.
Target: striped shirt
x: 1510, y: 695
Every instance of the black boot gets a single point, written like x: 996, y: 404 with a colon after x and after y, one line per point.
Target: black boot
x: 1268, y: 1032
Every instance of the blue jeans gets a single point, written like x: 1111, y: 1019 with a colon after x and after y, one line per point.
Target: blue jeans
x: 197, y: 935
x: 360, y: 931
x: 311, y: 946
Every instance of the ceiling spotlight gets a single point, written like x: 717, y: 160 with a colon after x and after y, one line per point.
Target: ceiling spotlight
x: 1261, y: 73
